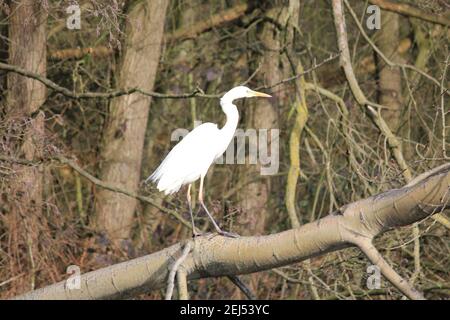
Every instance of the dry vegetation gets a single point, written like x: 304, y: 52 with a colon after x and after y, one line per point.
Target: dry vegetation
x: 343, y: 155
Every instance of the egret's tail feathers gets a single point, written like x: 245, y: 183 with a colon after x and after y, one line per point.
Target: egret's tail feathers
x: 169, y: 186
x: 164, y: 183
x: 153, y: 177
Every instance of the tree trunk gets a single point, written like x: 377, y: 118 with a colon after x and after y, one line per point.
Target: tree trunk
x: 390, y: 84
x: 124, y: 133
x: 27, y: 49
x: 262, y: 115
x: 254, y: 198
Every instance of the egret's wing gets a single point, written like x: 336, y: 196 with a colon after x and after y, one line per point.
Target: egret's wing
x: 190, y: 158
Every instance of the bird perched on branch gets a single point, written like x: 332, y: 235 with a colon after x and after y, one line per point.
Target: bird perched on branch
x: 191, y: 158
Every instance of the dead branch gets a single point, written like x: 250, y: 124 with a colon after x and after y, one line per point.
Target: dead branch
x: 174, y: 270
x: 78, y: 53
x: 183, y: 292
x: 106, y: 95
x: 411, y: 11
x: 389, y: 62
x: 243, y: 287
x: 366, y: 246
x: 214, y: 21
x: 99, y: 183
x: 122, y: 92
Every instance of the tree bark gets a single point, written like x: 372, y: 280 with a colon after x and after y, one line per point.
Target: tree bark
x: 355, y: 224
x: 390, y: 81
x: 124, y: 134
x: 27, y: 49
x: 263, y: 115
x: 254, y: 198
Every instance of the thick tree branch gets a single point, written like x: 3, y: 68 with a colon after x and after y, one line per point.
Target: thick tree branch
x: 214, y: 256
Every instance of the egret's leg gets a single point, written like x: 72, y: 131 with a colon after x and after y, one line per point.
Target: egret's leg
x: 216, y: 226
x: 194, y: 232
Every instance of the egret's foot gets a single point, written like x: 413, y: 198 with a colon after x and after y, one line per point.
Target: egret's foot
x: 228, y: 234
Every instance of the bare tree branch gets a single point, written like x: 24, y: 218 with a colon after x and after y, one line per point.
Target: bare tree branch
x: 213, y: 21
x: 122, y: 92
x: 174, y: 270
x: 386, y: 270
x: 242, y: 286
x: 107, y: 95
x: 100, y: 183
x: 182, y: 285
x: 386, y: 59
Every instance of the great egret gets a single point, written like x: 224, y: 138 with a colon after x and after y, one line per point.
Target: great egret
x: 191, y: 158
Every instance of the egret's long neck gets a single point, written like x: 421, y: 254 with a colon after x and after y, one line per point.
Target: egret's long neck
x: 232, y: 114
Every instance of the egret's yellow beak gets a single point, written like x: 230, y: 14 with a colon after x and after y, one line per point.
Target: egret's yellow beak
x: 258, y: 94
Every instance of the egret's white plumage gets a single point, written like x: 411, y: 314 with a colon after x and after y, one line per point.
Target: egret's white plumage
x: 191, y: 158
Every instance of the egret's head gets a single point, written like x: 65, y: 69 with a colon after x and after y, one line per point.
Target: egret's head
x: 242, y: 92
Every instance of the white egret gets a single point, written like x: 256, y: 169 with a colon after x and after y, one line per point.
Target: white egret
x: 191, y: 158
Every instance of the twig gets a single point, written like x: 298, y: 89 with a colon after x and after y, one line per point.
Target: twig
x: 393, y: 141
x: 242, y: 286
x: 110, y: 187
x: 375, y: 257
x: 99, y: 183
x: 107, y: 95
x: 122, y: 92
x: 11, y: 279
x: 174, y: 269
x: 386, y: 59
x: 295, y: 77
x: 191, y: 32
x: 183, y: 292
